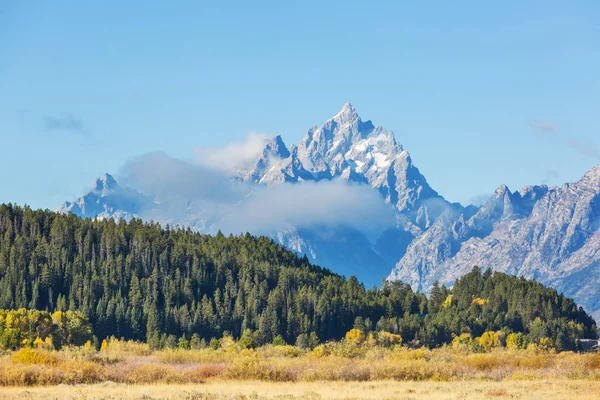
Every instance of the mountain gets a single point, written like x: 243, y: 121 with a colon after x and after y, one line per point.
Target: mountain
x: 108, y: 199
x: 550, y: 234
x: 275, y: 165
x: 345, y: 250
x: 346, y: 147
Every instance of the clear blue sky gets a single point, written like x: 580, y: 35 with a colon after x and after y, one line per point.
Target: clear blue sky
x: 479, y: 94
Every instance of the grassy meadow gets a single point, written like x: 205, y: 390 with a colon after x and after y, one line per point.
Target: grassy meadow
x: 127, y: 369
x: 227, y: 390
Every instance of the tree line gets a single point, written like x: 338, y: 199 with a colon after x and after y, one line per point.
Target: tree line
x: 141, y: 281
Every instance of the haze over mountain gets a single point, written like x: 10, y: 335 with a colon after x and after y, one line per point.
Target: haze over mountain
x: 350, y: 198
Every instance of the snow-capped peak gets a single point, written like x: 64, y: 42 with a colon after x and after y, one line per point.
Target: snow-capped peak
x: 105, y: 183
x: 347, y: 147
x: 108, y: 200
x: 334, y: 139
x: 501, y: 191
x: 346, y: 114
x: 276, y: 147
x: 275, y: 164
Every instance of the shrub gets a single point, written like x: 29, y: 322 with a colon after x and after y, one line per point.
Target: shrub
x: 488, y: 340
x: 387, y: 339
x: 546, y: 343
x: 247, y: 340
x: 313, y: 340
x: 195, y: 342
x: 169, y: 341
x: 284, y: 351
x: 33, y: 356
x: 227, y: 343
x: 356, y: 336
x: 119, y: 348
x: 320, y: 351
x: 279, y: 341
x: 302, y: 341
x: 483, y: 361
x: 462, y: 342
x: 255, y: 369
x: 516, y: 341
x: 183, y: 343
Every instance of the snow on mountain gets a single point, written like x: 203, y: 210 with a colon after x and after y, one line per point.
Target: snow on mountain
x: 107, y: 199
x: 348, y: 148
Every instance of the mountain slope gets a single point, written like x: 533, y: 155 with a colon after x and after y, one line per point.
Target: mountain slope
x: 550, y: 234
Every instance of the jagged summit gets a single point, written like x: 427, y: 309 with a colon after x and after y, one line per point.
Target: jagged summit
x: 347, y: 107
x: 346, y: 115
x: 105, y: 182
x: 592, y: 176
x: 347, y: 147
x: 501, y: 191
x: 107, y: 200
x: 274, y: 164
x: 275, y: 147
x: 336, y: 137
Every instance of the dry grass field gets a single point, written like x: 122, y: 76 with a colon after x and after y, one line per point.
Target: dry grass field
x: 129, y: 370
x: 217, y: 390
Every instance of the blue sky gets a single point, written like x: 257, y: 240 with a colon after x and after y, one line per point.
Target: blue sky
x: 479, y: 94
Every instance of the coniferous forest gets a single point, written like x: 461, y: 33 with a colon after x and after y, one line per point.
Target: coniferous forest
x: 140, y: 281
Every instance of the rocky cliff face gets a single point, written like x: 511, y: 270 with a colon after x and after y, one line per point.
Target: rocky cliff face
x: 550, y: 234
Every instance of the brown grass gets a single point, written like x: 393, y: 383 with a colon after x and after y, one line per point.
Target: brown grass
x: 289, y: 364
x: 221, y: 390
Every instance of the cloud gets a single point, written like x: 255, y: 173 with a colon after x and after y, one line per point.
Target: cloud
x: 185, y: 190
x: 584, y: 147
x: 326, y: 203
x: 168, y: 178
x: 234, y: 156
x: 549, y: 129
x: 64, y: 122
x: 544, y: 126
x: 550, y: 177
x: 480, y: 199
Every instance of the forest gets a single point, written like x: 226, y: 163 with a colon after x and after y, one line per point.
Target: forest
x: 160, y: 285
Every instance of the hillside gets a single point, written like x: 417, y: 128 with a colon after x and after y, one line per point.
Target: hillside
x: 141, y: 281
